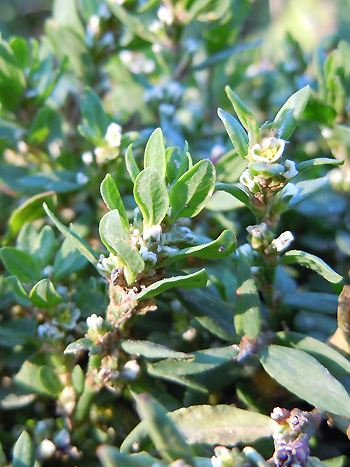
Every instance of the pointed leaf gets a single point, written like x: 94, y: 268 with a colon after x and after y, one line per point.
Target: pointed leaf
x: 287, y: 117
x: 23, y: 451
x: 196, y: 279
x: 111, y: 196
x: 44, y: 294
x: 318, y: 161
x: 67, y: 260
x: 223, y: 246
x: 80, y: 244
x: 151, y: 350
x: 236, y: 133
x: 312, y: 262
x: 244, y: 113
x: 162, y: 430
x: 155, y: 152
x: 305, y: 377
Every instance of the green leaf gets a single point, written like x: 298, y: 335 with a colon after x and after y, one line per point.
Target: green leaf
x: 196, y: 279
x: 28, y: 378
x: 287, y: 117
x: 237, y: 191
x: 20, y: 264
x: 312, y: 262
x: 111, y: 196
x: 67, y: 260
x: 176, y: 163
x: 244, y: 113
x: 190, y: 193
x: 236, y: 133
x: 12, y: 78
x: 131, y: 165
x: 16, y: 287
x: 151, y: 195
x: 155, y: 152
x: 223, y: 246
x: 94, y: 119
x: 188, y: 372
x: 318, y: 302
x: 77, y: 346
x: 78, y: 379
x: 79, y: 243
x: 247, y: 307
x: 336, y: 363
x: 162, y: 430
x: 112, y: 229
x: 49, y: 380
x: 316, y: 162
x: 132, y: 259
x: 222, y: 425
x: 44, y: 294
x: 213, y: 425
x: 151, y: 350
x: 30, y: 210
x: 45, y: 245
x: 213, y: 314
x: 305, y: 377
x: 23, y: 451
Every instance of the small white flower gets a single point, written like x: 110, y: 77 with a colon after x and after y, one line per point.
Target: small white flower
x: 326, y: 133
x: 55, y: 147
x: 22, y: 147
x: 257, y: 231
x: 131, y: 369
x: 155, y: 26
x: 189, y: 335
x: 87, y: 157
x: 247, y: 180
x: 114, y: 135
x: 47, y: 271
x: 82, y: 178
x: 152, y: 233
x: 283, y: 241
x: 270, y: 150
x: 291, y: 170
x: 94, y: 322
x: 46, y: 449
x: 93, y: 26
x: 165, y: 15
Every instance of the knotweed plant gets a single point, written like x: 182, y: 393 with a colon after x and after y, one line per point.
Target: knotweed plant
x: 165, y: 297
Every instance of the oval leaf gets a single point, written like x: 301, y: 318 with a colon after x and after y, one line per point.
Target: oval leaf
x: 305, y: 377
x: 151, y: 195
x: 191, y: 192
